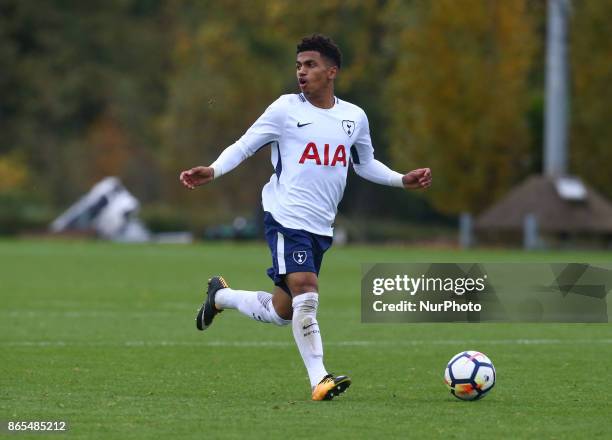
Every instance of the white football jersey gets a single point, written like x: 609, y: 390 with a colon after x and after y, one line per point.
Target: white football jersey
x: 311, y: 150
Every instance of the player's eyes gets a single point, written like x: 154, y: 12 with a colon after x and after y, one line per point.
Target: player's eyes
x: 307, y: 64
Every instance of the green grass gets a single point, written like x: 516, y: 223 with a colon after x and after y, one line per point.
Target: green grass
x: 102, y: 336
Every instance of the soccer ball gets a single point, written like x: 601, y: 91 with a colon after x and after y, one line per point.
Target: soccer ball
x: 470, y: 375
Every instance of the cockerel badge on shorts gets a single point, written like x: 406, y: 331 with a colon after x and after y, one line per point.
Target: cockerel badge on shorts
x: 300, y: 257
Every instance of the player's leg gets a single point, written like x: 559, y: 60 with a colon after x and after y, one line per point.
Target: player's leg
x: 257, y: 305
x: 282, y: 303
x: 304, y: 288
x: 263, y: 306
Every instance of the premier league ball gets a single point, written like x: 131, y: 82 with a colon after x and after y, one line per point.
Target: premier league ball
x: 470, y: 375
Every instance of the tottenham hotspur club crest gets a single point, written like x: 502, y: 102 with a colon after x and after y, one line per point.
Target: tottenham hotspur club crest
x: 300, y: 257
x: 348, y: 127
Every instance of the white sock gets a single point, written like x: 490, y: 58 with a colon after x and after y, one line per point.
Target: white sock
x: 255, y: 305
x: 307, y: 336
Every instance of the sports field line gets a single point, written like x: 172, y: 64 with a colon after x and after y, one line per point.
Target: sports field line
x: 256, y: 344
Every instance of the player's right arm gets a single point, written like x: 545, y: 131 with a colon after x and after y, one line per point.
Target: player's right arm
x: 266, y: 129
x: 197, y: 176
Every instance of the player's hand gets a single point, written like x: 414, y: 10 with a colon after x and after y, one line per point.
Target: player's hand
x: 417, y: 179
x: 197, y: 176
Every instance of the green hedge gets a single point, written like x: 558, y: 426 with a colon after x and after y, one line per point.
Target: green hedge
x: 21, y: 213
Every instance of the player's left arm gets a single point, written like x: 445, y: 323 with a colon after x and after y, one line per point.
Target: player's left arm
x: 417, y: 179
x: 367, y: 167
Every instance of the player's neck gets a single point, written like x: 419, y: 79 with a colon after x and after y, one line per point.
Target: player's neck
x: 324, y: 100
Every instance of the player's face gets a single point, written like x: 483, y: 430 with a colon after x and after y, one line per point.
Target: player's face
x: 314, y: 73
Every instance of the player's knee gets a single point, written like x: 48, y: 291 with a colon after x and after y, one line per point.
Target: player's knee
x: 302, y: 283
x: 305, y: 305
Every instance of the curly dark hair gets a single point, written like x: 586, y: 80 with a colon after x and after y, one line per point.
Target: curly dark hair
x: 322, y: 44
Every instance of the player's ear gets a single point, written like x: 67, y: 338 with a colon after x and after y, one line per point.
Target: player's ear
x: 332, y: 72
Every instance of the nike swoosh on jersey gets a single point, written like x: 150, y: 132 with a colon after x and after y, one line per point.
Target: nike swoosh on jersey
x: 303, y: 125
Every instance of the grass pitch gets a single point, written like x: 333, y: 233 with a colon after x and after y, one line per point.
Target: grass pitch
x: 102, y: 336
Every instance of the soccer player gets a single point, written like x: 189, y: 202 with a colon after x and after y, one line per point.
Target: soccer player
x: 313, y: 136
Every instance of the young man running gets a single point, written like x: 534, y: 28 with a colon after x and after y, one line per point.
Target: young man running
x: 313, y: 136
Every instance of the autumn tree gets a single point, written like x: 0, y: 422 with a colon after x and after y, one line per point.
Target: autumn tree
x: 72, y: 71
x: 591, y: 111
x: 458, y: 96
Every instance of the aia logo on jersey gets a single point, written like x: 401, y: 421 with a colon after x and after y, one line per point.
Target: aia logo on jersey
x: 311, y: 152
x: 348, y: 127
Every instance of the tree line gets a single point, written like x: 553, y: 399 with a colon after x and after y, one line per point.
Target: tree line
x: 141, y: 89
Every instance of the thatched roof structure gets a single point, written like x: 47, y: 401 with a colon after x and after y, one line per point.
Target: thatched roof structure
x: 538, y: 195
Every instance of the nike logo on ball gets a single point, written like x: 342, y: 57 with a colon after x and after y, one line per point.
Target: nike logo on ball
x: 303, y: 125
